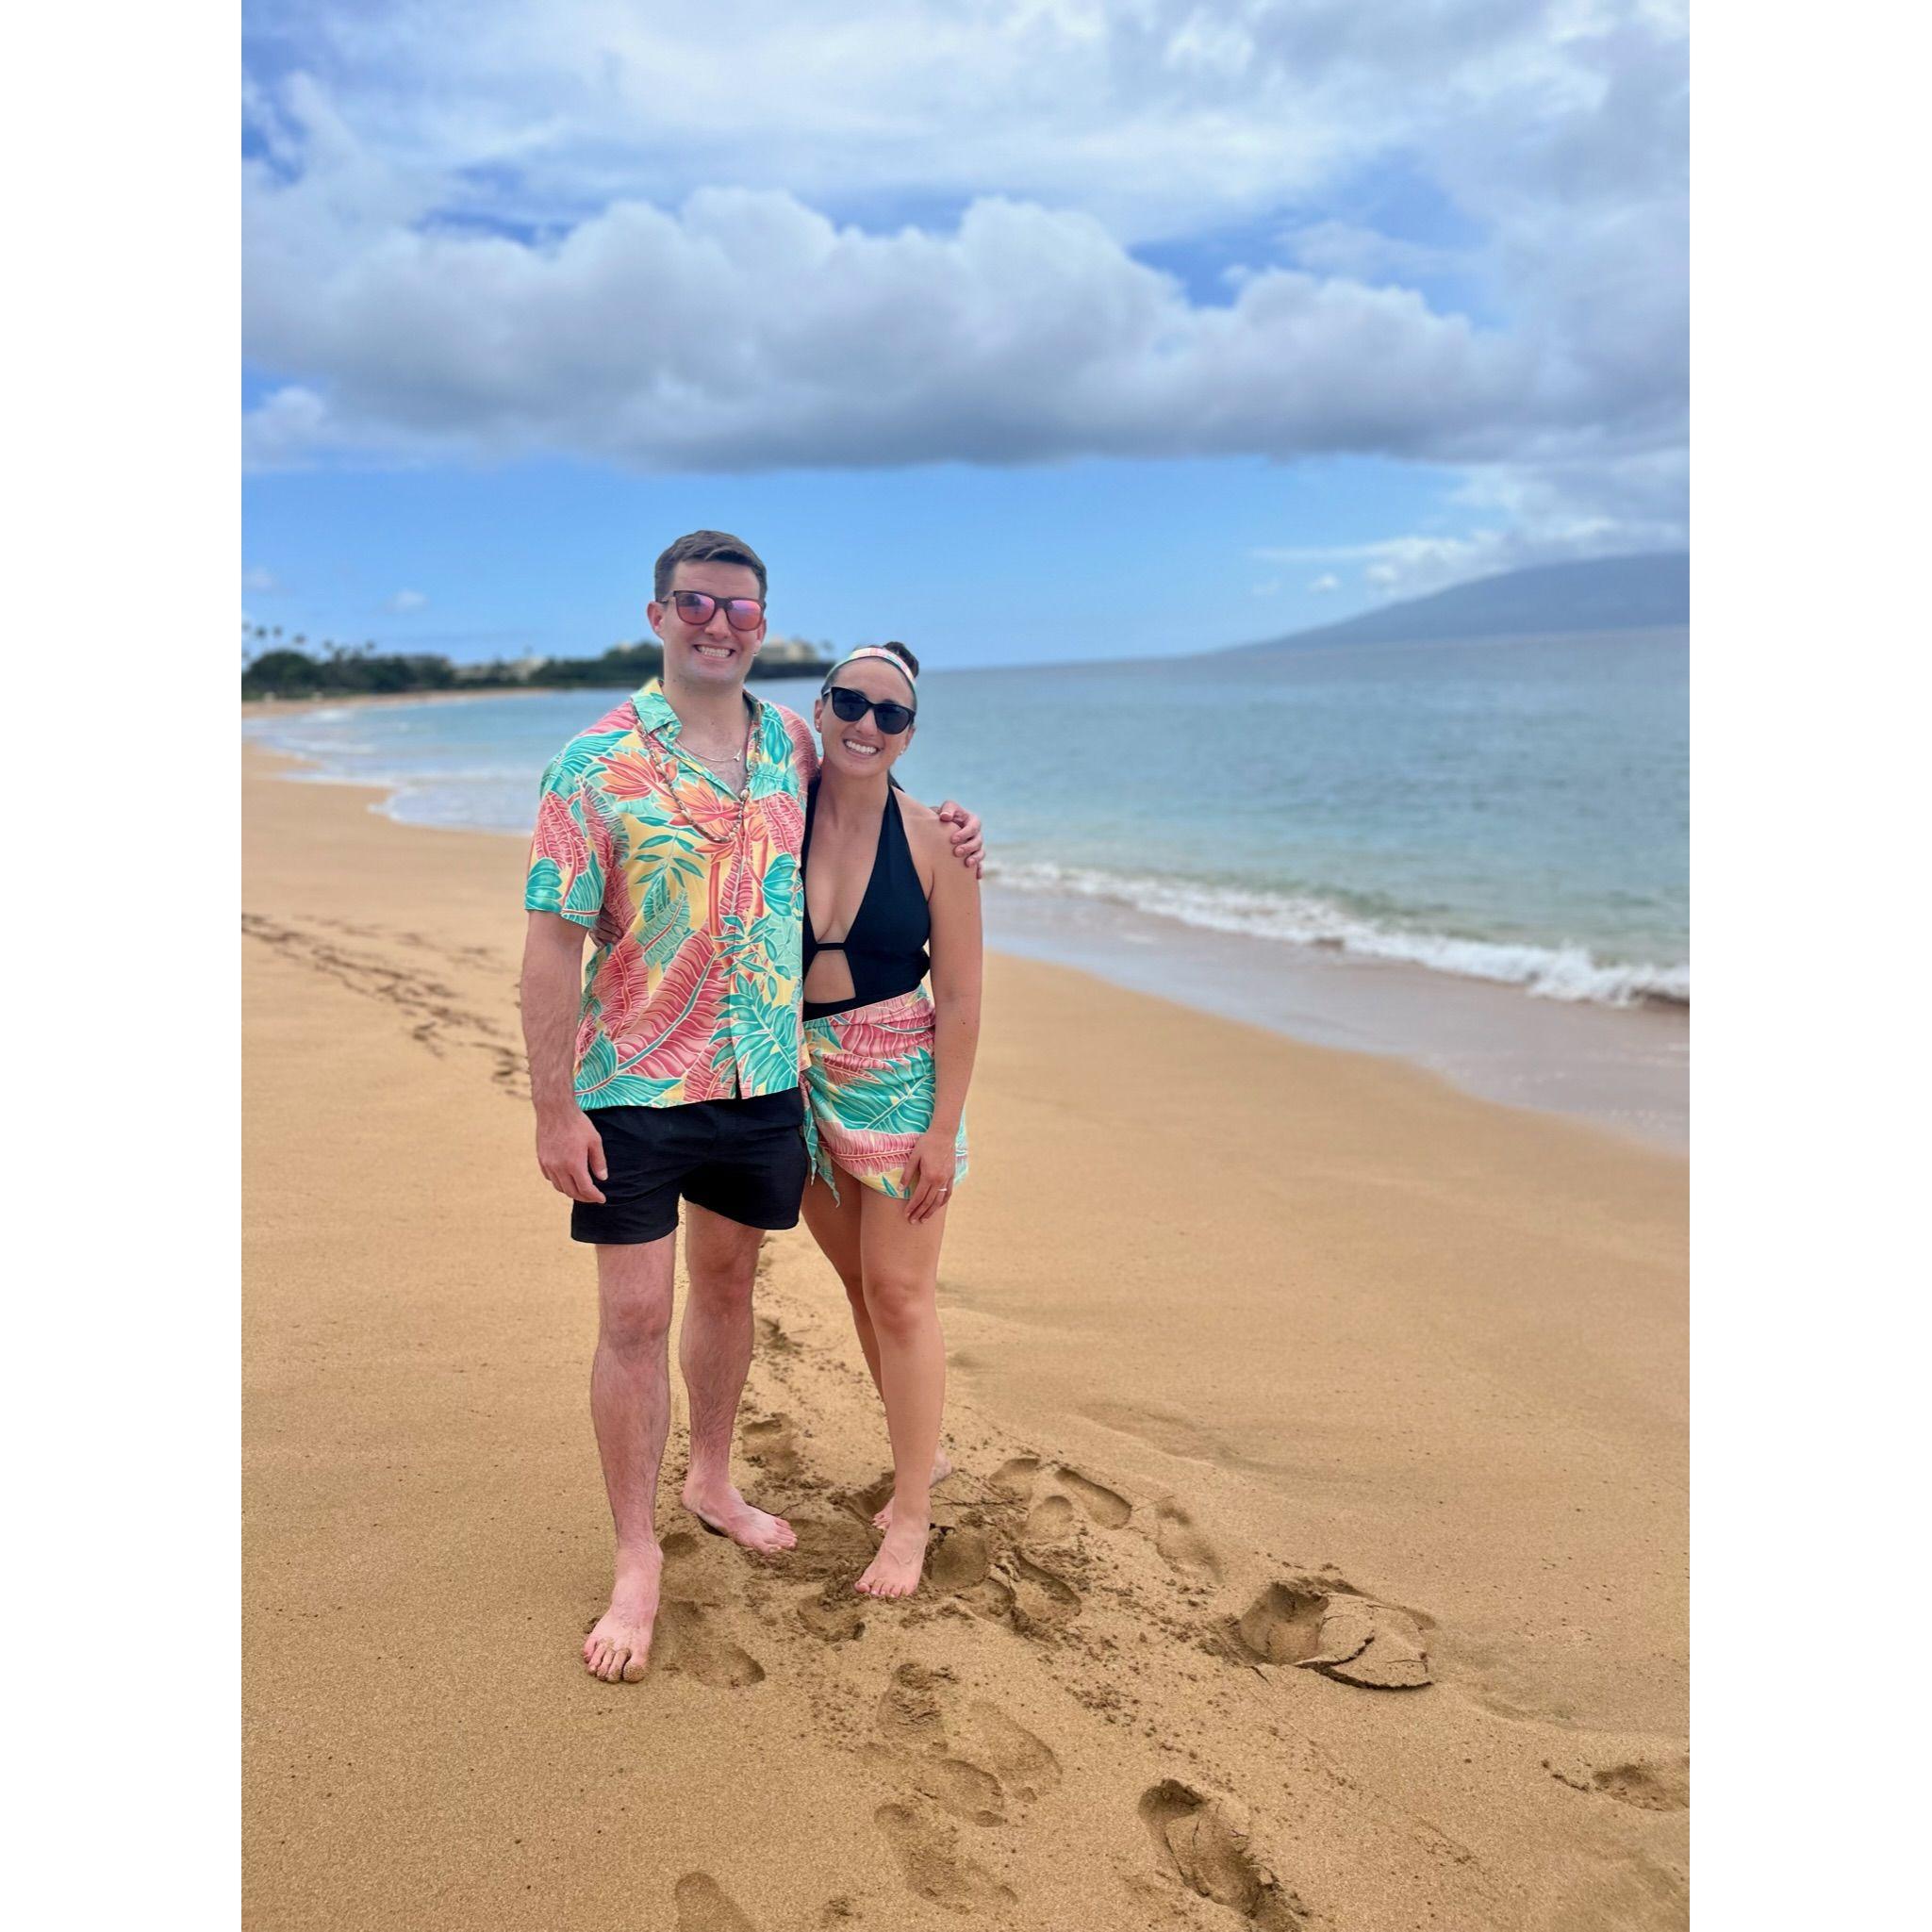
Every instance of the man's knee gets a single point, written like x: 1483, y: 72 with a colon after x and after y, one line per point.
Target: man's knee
x: 633, y: 1318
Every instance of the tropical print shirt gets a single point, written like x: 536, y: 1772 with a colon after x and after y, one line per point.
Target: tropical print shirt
x: 694, y: 897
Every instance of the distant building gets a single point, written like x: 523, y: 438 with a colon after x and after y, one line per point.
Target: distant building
x: 777, y: 650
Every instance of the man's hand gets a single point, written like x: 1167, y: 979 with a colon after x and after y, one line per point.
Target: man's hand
x: 570, y: 1153
x: 968, y: 846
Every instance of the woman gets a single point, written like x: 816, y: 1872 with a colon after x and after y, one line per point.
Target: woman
x: 887, y: 1066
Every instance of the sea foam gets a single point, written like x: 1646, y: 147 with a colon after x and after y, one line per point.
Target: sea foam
x: 1550, y: 972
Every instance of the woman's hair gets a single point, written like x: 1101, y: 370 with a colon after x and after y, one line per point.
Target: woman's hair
x: 902, y: 651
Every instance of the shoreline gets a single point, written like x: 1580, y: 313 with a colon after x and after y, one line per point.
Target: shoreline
x: 1622, y: 1069
x: 1247, y: 1339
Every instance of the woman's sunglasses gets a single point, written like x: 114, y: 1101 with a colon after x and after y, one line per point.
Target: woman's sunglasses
x: 741, y: 613
x: 852, y: 705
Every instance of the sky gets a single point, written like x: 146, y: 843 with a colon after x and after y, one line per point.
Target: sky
x: 1024, y: 330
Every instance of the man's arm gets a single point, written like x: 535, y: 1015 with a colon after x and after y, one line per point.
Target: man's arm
x: 569, y: 1148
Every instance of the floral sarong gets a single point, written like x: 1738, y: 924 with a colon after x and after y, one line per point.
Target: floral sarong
x: 869, y: 1083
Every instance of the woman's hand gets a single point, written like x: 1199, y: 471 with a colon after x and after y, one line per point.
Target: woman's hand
x: 929, y: 1176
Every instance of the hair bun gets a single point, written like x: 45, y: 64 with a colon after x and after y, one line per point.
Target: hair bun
x: 899, y: 650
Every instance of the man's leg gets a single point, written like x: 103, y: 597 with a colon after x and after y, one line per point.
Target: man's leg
x: 630, y: 1407
x: 715, y: 1352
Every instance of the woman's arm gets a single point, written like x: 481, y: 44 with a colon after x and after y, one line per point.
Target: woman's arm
x: 954, y: 903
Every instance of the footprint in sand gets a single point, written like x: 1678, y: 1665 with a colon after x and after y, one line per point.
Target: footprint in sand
x: 929, y: 1856
x: 771, y: 1443
x: 1208, y: 1844
x: 1650, y: 1785
x: 960, y: 1562
x: 703, y: 1907
x: 1052, y: 1519
x: 1107, y: 1507
x: 690, y: 1643
x: 1015, y: 1479
x: 963, y: 1753
x: 829, y: 1549
x: 1177, y: 1538
x: 1321, y: 1623
x: 1041, y: 1600
x: 836, y: 1615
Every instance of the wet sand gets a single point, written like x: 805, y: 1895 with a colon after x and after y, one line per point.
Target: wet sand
x: 1316, y: 1554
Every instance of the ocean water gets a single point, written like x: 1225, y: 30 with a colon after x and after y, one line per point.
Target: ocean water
x: 1513, y: 811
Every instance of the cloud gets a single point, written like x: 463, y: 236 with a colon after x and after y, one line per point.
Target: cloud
x: 1328, y: 580
x: 260, y: 581
x: 405, y: 602
x: 920, y: 234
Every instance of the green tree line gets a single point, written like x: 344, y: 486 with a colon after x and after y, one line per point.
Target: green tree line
x: 271, y: 669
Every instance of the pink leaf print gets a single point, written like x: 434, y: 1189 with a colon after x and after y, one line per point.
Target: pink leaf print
x: 804, y: 748
x: 558, y: 835
x: 680, y: 1019
x: 784, y: 821
x: 869, y: 1043
x: 618, y: 912
x: 864, y: 1151
x: 707, y: 1082
x: 622, y: 988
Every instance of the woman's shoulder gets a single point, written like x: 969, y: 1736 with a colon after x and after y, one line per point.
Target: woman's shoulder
x: 923, y: 831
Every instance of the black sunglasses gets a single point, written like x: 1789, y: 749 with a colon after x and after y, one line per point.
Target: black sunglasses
x: 852, y: 705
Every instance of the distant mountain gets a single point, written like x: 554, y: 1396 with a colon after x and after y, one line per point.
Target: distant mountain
x: 1613, y: 594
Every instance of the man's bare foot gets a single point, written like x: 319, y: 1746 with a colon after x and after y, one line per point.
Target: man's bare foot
x: 942, y: 1468
x: 619, y: 1644
x: 726, y: 1512
x: 894, y: 1570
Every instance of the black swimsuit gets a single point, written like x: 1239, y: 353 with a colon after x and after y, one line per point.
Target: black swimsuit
x: 885, y: 946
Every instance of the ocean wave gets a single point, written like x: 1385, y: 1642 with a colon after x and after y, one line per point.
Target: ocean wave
x: 1567, y: 972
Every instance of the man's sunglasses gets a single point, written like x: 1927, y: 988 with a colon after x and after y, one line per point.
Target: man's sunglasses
x: 852, y: 705
x: 741, y: 613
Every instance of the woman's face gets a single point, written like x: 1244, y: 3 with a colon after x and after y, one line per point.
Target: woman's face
x: 859, y: 747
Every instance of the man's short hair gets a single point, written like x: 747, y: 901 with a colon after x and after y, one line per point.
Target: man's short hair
x: 706, y: 547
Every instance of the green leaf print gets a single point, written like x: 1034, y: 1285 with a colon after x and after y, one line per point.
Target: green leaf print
x: 565, y: 771
x: 766, y: 1036
x: 599, y: 1062
x: 780, y: 881
x: 543, y: 891
x: 587, y: 889
x: 900, y: 1103
x: 631, y: 1090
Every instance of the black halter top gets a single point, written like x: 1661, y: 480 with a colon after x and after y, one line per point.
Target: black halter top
x: 885, y: 947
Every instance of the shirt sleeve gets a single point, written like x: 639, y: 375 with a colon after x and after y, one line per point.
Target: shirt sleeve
x: 805, y: 746
x: 565, y: 874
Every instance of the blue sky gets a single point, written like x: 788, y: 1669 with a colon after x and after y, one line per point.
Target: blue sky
x: 1025, y: 331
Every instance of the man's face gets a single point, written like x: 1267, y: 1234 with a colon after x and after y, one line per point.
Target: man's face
x: 709, y: 651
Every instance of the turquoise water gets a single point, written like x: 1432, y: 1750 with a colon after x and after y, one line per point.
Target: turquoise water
x: 1513, y: 810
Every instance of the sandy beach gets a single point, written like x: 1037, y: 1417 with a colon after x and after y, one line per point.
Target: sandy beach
x: 1316, y: 1554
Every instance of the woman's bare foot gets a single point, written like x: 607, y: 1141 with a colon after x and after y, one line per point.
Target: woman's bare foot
x: 942, y: 1468
x: 726, y: 1511
x: 894, y: 1570
x: 619, y: 1644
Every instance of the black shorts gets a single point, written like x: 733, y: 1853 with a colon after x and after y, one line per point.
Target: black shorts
x: 743, y: 1159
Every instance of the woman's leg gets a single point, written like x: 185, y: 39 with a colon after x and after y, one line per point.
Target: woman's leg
x: 834, y: 1225
x: 899, y: 1266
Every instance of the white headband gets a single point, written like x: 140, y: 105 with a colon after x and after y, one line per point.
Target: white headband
x: 892, y: 657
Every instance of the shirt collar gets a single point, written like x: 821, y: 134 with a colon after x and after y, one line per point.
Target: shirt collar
x: 654, y: 714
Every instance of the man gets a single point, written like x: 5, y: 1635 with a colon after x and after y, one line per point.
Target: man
x: 670, y: 831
